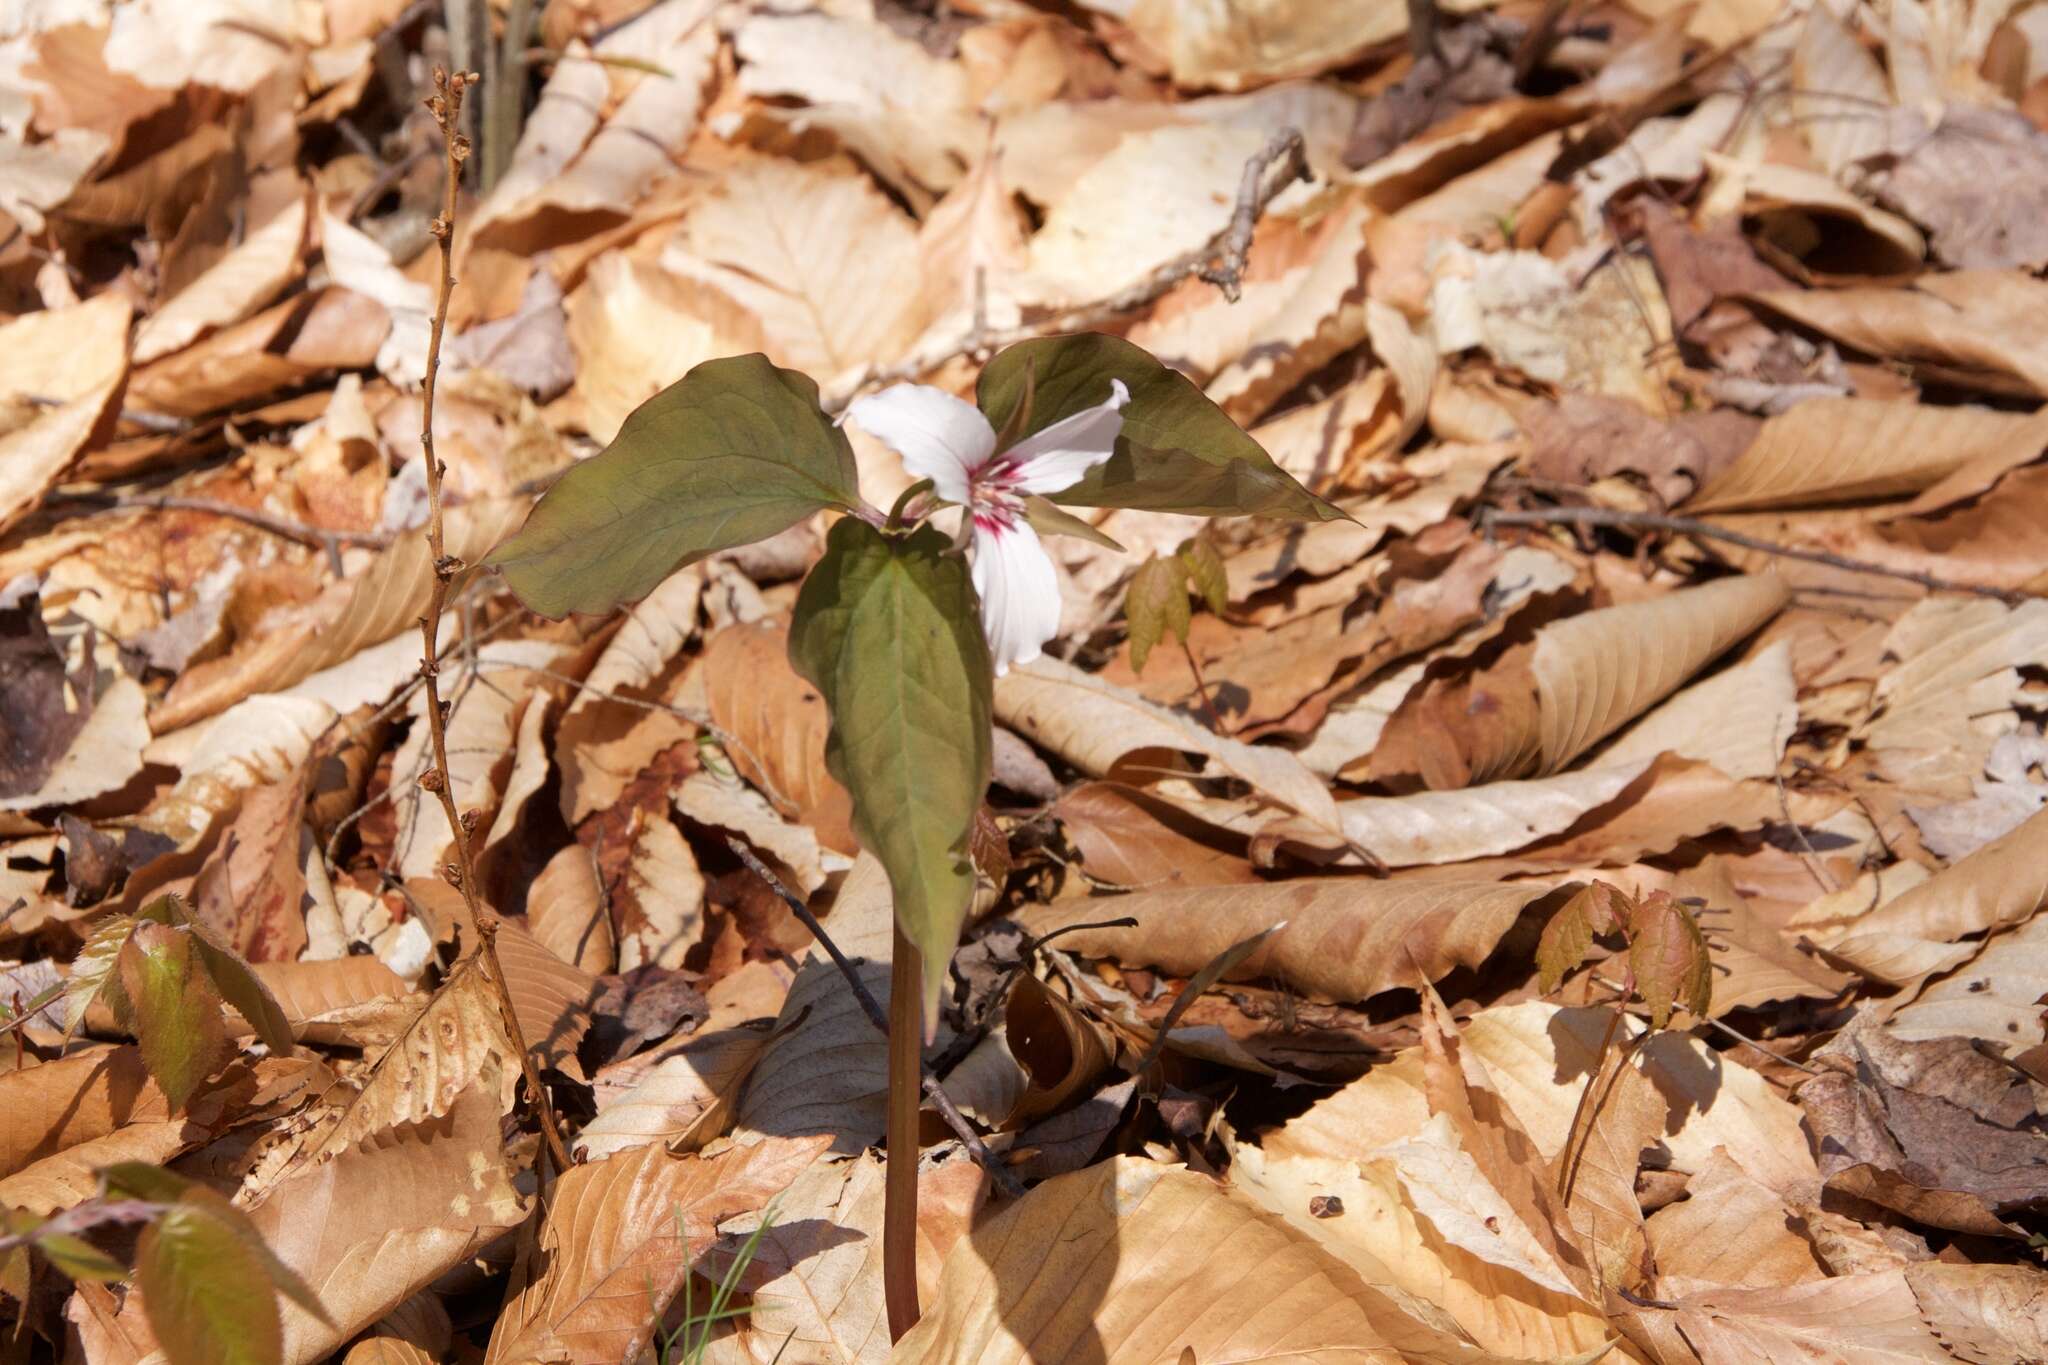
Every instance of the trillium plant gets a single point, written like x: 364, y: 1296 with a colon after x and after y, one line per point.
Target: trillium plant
x: 910, y: 615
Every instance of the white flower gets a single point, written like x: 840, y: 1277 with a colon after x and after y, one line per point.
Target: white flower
x: 948, y: 441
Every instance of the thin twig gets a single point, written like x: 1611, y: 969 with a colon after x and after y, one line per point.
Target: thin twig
x: 879, y: 1017
x: 1220, y: 261
x: 446, y: 106
x: 314, y: 537
x: 1687, y: 526
x: 1202, y: 690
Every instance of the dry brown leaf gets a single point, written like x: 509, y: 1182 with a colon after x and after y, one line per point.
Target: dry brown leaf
x: 1982, y: 1313
x: 773, y: 726
x: 387, y: 1217
x: 456, y: 1042
x: 238, y: 285
x: 658, y: 906
x: 1435, y: 827
x: 76, y: 355
x: 1139, y: 1275
x: 1915, y: 935
x: 905, y: 111
x: 1038, y: 1053
x: 1963, y: 327
x: 681, y: 1101
x: 565, y: 911
x: 1994, y: 996
x: 1868, y: 1319
x: 1230, y: 49
x: 1845, y: 449
x: 1729, y: 1231
x: 1134, y: 840
x: 1098, y: 727
x: 816, y: 257
x: 826, y: 1067
x: 1344, y: 938
x: 635, y: 329
x: 376, y: 606
x: 76, y: 1099
x: 71, y: 1176
x: 621, y: 1234
x: 347, y: 1000
x: 1739, y: 720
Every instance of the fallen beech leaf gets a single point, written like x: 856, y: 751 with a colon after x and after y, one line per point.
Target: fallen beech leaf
x: 1001, y: 1298
x: 1994, y: 996
x: 1097, y: 726
x: 91, y: 340
x: 565, y: 911
x: 1231, y: 50
x: 1846, y: 449
x: 1597, y: 671
x: 1853, y: 1320
x: 1343, y: 938
x: 387, y: 1217
x: 773, y: 726
x: 238, y: 285
x: 812, y: 255
x: 1961, y: 326
x: 621, y: 1234
x: 681, y: 1101
x: 1135, y: 841
x: 1728, y: 1231
x: 1982, y: 1313
x: 1739, y: 720
x: 1916, y: 934
x: 1435, y: 827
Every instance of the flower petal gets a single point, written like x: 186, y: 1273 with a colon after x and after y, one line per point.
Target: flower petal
x: 1019, y: 590
x: 1057, y: 458
x: 939, y: 437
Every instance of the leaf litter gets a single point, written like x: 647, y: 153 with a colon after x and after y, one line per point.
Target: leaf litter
x: 1588, y: 904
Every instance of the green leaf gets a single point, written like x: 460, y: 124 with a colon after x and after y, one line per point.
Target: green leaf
x: 93, y: 969
x: 1178, y: 451
x: 1155, y: 606
x: 139, y: 1180
x: 1049, y: 519
x: 1668, y: 955
x: 239, y: 985
x: 80, y: 1259
x: 1206, y: 572
x: 200, y: 1281
x: 733, y: 452
x: 172, y: 1009
x: 888, y: 630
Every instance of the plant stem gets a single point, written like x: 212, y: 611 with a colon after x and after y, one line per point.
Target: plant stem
x: 1202, y: 690
x: 446, y: 104
x: 1565, y: 1164
x: 899, y: 1194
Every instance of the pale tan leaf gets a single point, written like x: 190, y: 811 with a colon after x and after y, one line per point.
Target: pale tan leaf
x: 1994, y: 996
x: 388, y: 1216
x: 1887, y: 243
x: 1851, y: 1320
x: 1096, y: 726
x: 602, y: 133
x: 70, y: 1176
x: 722, y: 801
x: 620, y: 1236
x: 1833, y: 73
x: 972, y: 248
x: 1539, y: 1058
x: 91, y: 340
x: 821, y: 259
x: 1431, y: 827
x: 1728, y: 1231
x: 659, y: 904
x: 102, y: 757
x: 1596, y: 672
x: 773, y: 726
x: 1158, y: 195
x: 36, y: 177
x: 457, y: 1041
x: 74, y: 1099
x: 1139, y: 1277
x: 237, y: 285
x: 635, y: 329
x: 1344, y: 938
x: 1231, y: 48
x: 1847, y: 449
x: 1964, y: 326
x: 347, y: 1000
x: 681, y: 1098
x: 374, y: 607
x: 905, y: 111
x: 565, y: 911
x: 1985, y: 1314
x: 1739, y: 719
x: 1953, y: 690
x: 1915, y: 935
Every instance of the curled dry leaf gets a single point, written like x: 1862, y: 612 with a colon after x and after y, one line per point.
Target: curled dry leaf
x: 1338, y: 939
x: 773, y: 726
